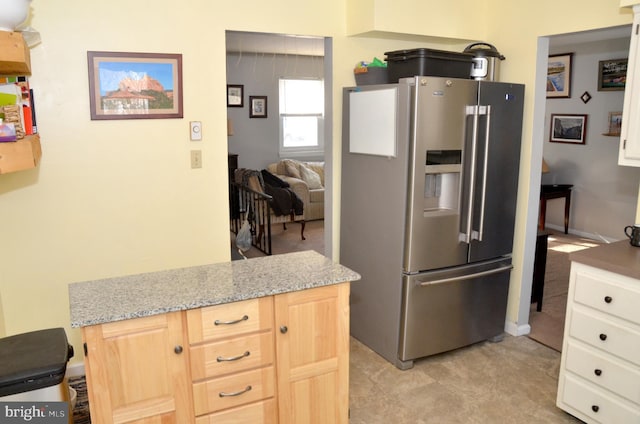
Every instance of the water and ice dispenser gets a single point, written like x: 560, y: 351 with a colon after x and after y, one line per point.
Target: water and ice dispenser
x: 442, y: 182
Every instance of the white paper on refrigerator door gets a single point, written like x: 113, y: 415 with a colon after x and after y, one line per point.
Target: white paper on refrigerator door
x: 372, y: 125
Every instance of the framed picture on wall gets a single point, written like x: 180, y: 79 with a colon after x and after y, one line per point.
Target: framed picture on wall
x: 135, y: 85
x: 615, y: 123
x: 235, y: 95
x: 568, y: 129
x: 559, y: 76
x: 612, y: 74
x: 258, y: 105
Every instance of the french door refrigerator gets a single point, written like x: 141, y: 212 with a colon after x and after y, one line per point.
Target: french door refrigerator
x: 429, y: 183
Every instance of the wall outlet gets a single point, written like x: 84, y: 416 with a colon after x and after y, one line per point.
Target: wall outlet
x: 196, y: 159
x: 195, y: 130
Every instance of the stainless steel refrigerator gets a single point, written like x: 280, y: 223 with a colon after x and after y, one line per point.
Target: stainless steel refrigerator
x: 429, y: 185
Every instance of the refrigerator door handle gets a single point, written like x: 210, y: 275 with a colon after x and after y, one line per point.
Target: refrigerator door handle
x: 486, y: 110
x: 466, y: 235
x: 467, y: 276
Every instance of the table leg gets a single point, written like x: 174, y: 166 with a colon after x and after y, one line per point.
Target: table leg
x: 567, y: 203
x: 543, y: 213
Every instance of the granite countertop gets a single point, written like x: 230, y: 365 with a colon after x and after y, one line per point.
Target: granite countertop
x: 619, y: 257
x: 121, y: 298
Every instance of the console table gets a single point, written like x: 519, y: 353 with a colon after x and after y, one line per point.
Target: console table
x: 554, y: 191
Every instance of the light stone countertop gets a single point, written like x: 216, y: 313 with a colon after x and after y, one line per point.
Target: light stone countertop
x: 133, y: 296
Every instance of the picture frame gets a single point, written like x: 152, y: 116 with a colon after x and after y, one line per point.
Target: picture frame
x: 568, y: 128
x: 125, y: 85
x: 559, y: 76
x: 612, y: 74
x: 615, y: 123
x: 235, y: 95
x: 258, y: 106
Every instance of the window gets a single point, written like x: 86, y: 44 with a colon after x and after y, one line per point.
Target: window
x: 301, y: 117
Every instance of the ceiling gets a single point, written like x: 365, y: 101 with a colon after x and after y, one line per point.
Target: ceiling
x: 583, y: 37
x: 257, y: 42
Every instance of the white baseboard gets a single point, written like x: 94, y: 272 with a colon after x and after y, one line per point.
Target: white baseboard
x: 517, y: 330
x: 75, y: 370
x: 584, y: 234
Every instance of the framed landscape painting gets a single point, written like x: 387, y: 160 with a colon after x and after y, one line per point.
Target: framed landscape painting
x: 612, y: 74
x: 559, y: 76
x: 135, y: 85
x: 568, y: 129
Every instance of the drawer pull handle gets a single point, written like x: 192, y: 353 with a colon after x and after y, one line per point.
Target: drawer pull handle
x: 233, y: 358
x: 238, y: 393
x: 218, y: 322
x: 283, y: 329
x: 595, y: 408
x: 608, y: 299
x: 603, y: 336
x: 178, y: 349
x: 597, y: 372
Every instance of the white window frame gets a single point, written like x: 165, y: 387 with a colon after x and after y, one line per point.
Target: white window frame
x: 298, y: 151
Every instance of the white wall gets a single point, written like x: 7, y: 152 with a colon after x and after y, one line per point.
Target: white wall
x: 256, y: 140
x: 604, y: 195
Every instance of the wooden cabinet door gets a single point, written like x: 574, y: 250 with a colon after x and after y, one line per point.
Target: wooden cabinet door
x: 137, y: 371
x: 312, y: 355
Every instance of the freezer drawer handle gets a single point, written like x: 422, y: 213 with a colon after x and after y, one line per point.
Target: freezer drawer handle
x: 468, y: 277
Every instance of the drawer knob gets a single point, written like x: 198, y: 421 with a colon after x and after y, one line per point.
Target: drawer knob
x: 177, y: 349
x: 595, y: 408
x: 597, y: 372
x: 603, y: 336
x: 283, y: 329
x: 608, y: 299
x: 235, y: 321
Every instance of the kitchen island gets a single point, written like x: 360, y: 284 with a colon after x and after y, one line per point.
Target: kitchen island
x: 600, y: 368
x: 259, y: 340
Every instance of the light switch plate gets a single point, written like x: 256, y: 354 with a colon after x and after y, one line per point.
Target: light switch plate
x: 196, y: 130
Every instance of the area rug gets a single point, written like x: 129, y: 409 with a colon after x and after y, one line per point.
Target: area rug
x: 547, y: 326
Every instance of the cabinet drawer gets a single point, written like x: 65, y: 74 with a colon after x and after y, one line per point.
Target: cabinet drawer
x: 232, y: 355
x: 230, y: 319
x: 597, y: 404
x: 233, y: 390
x: 263, y: 412
x: 608, y: 296
x: 604, y: 371
x: 621, y: 341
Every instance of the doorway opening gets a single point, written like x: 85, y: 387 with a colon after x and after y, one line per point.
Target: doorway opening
x: 256, y: 64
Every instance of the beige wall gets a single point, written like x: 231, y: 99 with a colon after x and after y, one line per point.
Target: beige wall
x: 118, y: 197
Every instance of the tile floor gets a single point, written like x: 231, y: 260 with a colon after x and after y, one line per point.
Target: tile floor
x: 513, y: 381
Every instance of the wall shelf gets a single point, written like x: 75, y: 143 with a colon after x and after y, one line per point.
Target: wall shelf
x: 20, y: 155
x: 15, y: 60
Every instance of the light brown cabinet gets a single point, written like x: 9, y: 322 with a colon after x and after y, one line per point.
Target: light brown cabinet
x: 138, y: 370
x: 15, y: 60
x: 274, y: 359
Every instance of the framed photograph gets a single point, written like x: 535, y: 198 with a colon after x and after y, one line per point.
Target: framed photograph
x: 615, y: 123
x: 568, y: 129
x: 559, y: 76
x: 258, y: 106
x: 135, y: 85
x: 235, y: 95
x: 612, y: 74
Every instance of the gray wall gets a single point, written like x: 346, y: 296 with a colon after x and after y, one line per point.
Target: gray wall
x: 604, y: 196
x: 255, y: 140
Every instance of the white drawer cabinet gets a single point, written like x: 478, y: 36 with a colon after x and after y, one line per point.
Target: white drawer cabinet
x: 600, y: 368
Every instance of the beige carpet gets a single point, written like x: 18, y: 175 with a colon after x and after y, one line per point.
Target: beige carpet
x: 289, y: 240
x: 547, y: 326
